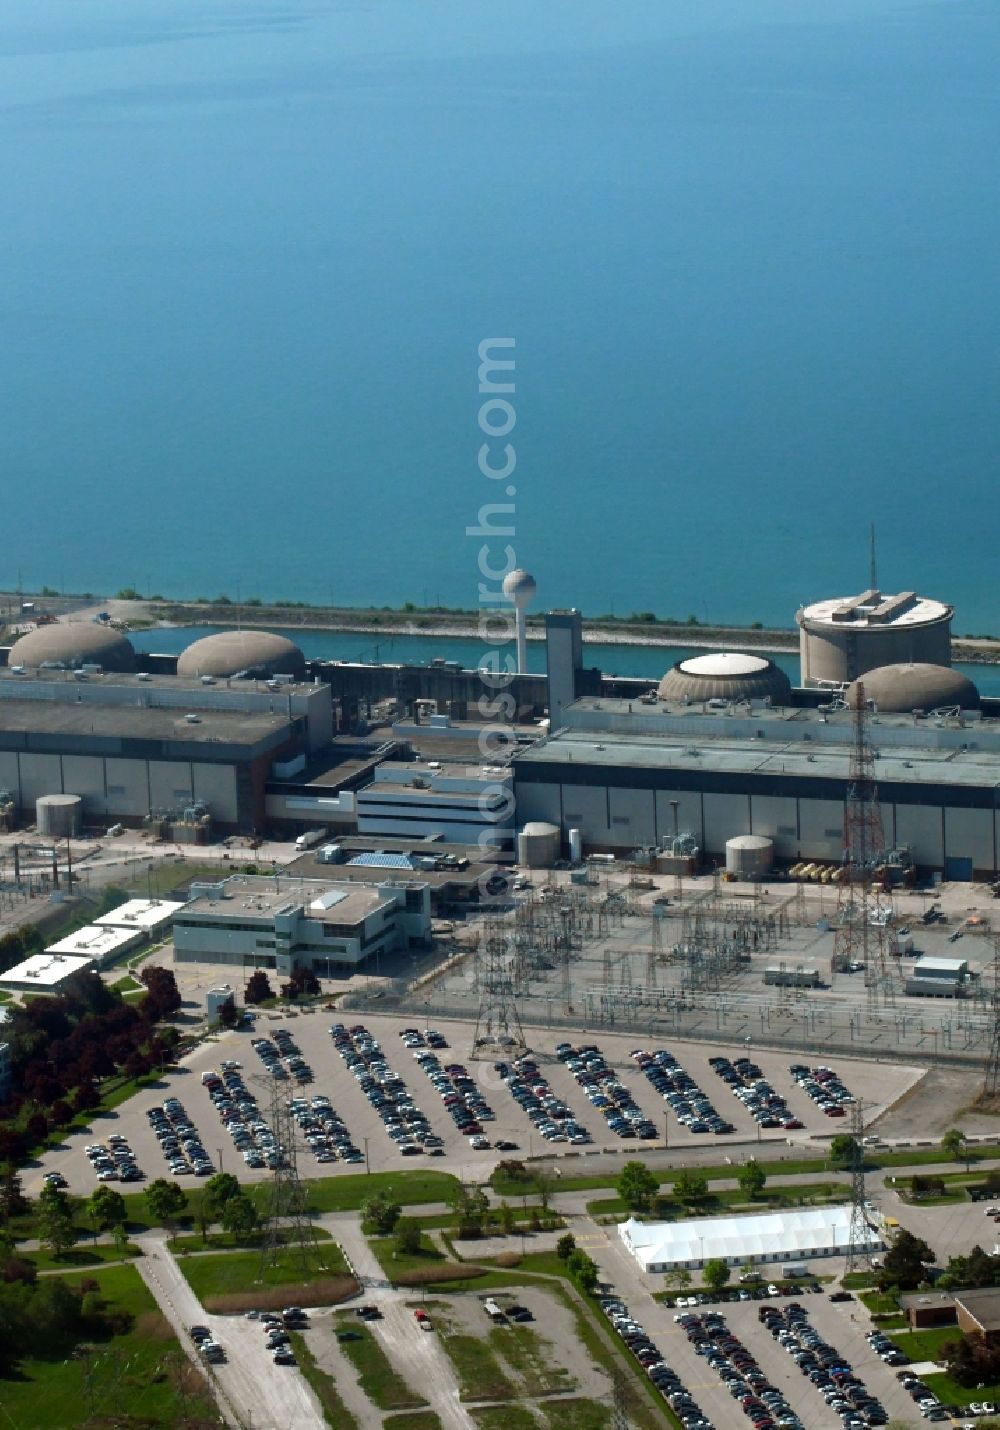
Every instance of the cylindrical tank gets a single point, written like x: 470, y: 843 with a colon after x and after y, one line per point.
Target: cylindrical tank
x: 538, y: 845
x: 749, y: 856
x: 59, y: 815
x: 575, y: 846
x: 843, y: 638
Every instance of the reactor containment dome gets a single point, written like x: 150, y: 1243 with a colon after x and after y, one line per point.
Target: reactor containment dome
x: 843, y: 638
x: 68, y: 645
x: 901, y: 688
x: 259, y: 654
x: 725, y: 675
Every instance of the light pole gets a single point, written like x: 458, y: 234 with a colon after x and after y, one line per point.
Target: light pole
x: 368, y: 1170
x: 666, y: 1130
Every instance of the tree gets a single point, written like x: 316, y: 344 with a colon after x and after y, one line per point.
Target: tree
x: 843, y: 1148
x: 679, y: 1277
x: 507, y: 1220
x: 407, y: 1236
x: 544, y: 1183
x: 904, y: 1262
x: 379, y: 1214
x: 715, y: 1273
x: 955, y: 1146
x: 239, y: 1216
x: 258, y: 989
x: 227, y: 1015
x: 218, y: 1190
x: 583, y: 1270
x: 752, y: 1179
x: 690, y: 1186
x: 106, y: 1208
x: 637, y: 1186
x: 165, y: 1200
x: 470, y: 1205
x: 565, y: 1246
x: 55, y: 1221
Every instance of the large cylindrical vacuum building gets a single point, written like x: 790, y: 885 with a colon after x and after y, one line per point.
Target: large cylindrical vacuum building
x: 842, y: 638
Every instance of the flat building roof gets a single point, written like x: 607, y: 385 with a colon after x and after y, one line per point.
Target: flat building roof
x: 141, y: 914
x: 96, y: 942
x: 43, y: 971
x: 249, y: 899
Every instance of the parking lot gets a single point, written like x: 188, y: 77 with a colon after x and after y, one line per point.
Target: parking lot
x: 331, y: 1078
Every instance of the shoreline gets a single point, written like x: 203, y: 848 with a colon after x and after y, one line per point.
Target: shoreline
x: 141, y: 613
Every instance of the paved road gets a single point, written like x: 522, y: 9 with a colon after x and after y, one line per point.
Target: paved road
x: 416, y: 1354
x: 267, y: 1396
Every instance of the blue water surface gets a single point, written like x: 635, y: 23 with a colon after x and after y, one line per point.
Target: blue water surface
x: 750, y: 255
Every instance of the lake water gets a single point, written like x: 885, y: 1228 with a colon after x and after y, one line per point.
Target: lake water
x: 750, y: 255
x: 649, y: 661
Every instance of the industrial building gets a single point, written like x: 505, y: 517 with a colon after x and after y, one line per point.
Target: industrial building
x: 756, y: 1239
x: 138, y: 746
x: 462, y: 803
x: 843, y: 638
x: 280, y: 923
x: 629, y: 774
x: 147, y: 917
x: 43, y: 973
x: 98, y: 944
x: 938, y: 978
x: 455, y: 874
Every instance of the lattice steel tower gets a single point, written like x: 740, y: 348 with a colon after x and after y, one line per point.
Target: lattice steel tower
x: 859, y: 1251
x: 861, y: 915
x: 498, y: 1017
x: 991, y: 1082
x: 288, y: 1226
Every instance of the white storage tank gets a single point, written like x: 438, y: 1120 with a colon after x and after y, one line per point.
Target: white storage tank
x: 575, y: 846
x: 749, y: 856
x: 539, y: 845
x: 60, y: 816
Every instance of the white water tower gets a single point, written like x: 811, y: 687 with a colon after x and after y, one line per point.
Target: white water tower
x: 519, y: 586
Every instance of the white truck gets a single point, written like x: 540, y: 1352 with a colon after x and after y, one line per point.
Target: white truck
x: 311, y: 838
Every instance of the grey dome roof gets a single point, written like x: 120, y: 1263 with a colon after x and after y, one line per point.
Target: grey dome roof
x: 71, y: 644
x: 725, y: 675
x: 260, y: 653
x: 916, y: 687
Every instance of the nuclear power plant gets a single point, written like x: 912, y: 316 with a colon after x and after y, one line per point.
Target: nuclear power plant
x: 240, y: 733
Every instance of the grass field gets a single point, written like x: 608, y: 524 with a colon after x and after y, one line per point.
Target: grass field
x: 379, y: 1381
x: 577, y: 1415
x: 142, y: 1375
x: 774, y: 1196
x: 477, y: 1370
x: 413, y: 1420
x: 506, y: 1417
x: 238, y: 1281
x: 335, y: 1412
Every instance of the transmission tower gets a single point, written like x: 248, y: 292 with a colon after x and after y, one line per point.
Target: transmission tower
x: 861, y: 916
x: 859, y: 1251
x: 288, y: 1226
x: 991, y: 1082
x: 498, y: 1016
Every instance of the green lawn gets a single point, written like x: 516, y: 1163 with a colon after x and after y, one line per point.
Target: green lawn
x: 413, y: 1420
x: 242, y: 1272
x: 479, y: 1374
x: 143, y: 1374
x: 380, y: 1382
x: 84, y: 1255
x: 775, y: 1195
x: 507, y: 1417
x: 335, y: 1412
x: 577, y: 1415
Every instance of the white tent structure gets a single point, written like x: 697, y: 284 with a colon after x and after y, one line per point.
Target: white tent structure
x: 769, y: 1236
